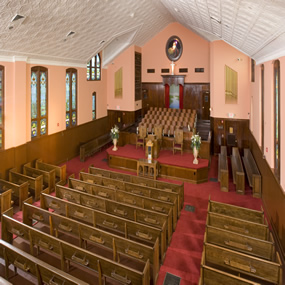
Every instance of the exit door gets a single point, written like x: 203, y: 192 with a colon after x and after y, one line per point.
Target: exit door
x: 206, y: 105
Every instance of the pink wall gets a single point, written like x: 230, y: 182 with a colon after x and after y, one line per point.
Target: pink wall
x: 269, y: 112
x: 18, y: 101
x: 223, y: 54
x: 195, y: 54
x: 126, y: 61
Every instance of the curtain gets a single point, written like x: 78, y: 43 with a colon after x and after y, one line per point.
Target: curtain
x: 180, y: 96
x: 166, y: 96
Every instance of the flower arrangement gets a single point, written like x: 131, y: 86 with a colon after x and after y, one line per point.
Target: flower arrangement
x: 196, y: 141
x: 115, y: 132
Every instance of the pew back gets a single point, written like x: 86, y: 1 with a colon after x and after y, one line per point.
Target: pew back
x: 19, y: 192
x: 236, y: 212
x: 60, y: 171
x: 71, y: 253
x: 117, y: 225
x: 237, y: 171
x: 45, y: 273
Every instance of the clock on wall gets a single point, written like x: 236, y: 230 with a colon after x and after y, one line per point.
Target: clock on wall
x: 174, y: 48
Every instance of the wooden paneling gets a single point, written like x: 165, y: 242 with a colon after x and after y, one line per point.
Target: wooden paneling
x: 272, y: 194
x: 53, y: 149
x: 121, y: 118
x: 153, y: 96
x: 221, y: 128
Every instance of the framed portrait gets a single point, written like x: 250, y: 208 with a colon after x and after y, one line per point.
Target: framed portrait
x: 173, y: 48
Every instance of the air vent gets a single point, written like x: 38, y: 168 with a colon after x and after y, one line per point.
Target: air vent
x: 183, y: 70
x: 165, y: 70
x: 70, y: 34
x: 17, y: 17
x: 199, y: 69
x: 151, y: 70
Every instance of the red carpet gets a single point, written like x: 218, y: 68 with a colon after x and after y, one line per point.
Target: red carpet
x: 183, y: 256
x: 165, y: 156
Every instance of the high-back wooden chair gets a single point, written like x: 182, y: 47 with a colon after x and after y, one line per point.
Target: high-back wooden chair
x: 178, y: 140
x: 141, y: 136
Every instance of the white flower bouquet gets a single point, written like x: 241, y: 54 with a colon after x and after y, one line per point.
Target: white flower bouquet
x: 115, y: 132
x: 196, y: 141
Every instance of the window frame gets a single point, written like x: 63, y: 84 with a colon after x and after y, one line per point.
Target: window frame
x: 90, y: 66
x: 262, y: 108
x: 94, y: 110
x: 2, y: 104
x: 277, y: 133
x: 38, y: 70
x: 71, y: 71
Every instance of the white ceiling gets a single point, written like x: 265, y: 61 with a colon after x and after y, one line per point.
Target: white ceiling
x: 255, y: 27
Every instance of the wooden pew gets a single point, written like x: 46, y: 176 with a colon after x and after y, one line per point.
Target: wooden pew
x: 246, y: 266
x: 223, y: 170
x: 237, y: 171
x: 131, y: 230
x: 71, y: 253
x: 5, y: 200
x: 242, y: 243
x: 85, y: 233
x: 236, y: 212
x: 35, y: 183
x: 144, y: 216
x: 92, y: 146
x: 19, y: 192
x: 125, y: 197
x: 213, y: 276
x: 48, y: 176
x: 252, y: 172
x: 250, y: 229
x: 141, y: 190
x: 60, y: 171
x: 44, y: 273
x: 169, y: 187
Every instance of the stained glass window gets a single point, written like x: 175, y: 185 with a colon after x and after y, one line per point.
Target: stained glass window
x: 277, y: 118
x: 71, y: 97
x: 94, y: 106
x: 1, y: 106
x: 94, y: 68
x: 39, y: 101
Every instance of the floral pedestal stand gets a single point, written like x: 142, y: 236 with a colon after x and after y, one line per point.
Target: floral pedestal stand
x: 195, y: 154
x: 115, y: 145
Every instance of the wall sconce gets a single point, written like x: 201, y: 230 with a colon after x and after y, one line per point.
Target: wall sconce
x: 239, y: 59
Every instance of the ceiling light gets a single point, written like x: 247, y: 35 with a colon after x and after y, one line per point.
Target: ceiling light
x: 176, y: 9
x: 132, y: 15
x: 70, y: 33
x: 17, y: 17
x: 215, y: 19
x: 101, y: 42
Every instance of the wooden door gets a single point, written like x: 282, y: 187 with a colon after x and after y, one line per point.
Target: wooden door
x: 205, y: 105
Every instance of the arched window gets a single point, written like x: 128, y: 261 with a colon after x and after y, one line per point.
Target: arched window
x: 277, y: 118
x: 94, y: 68
x: 39, y: 101
x: 94, y: 106
x: 262, y: 108
x: 1, y: 107
x: 71, y: 97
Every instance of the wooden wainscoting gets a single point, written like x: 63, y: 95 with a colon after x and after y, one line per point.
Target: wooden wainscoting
x: 120, y: 118
x: 55, y: 149
x: 221, y: 129
x: 273, y: 196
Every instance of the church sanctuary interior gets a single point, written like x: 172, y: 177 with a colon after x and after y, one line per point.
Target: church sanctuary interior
x: 141, y: 142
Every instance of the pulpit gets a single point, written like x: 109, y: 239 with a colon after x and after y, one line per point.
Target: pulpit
x: 155, y: 148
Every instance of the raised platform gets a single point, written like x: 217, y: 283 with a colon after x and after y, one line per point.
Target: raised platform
x: 176, y: 167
